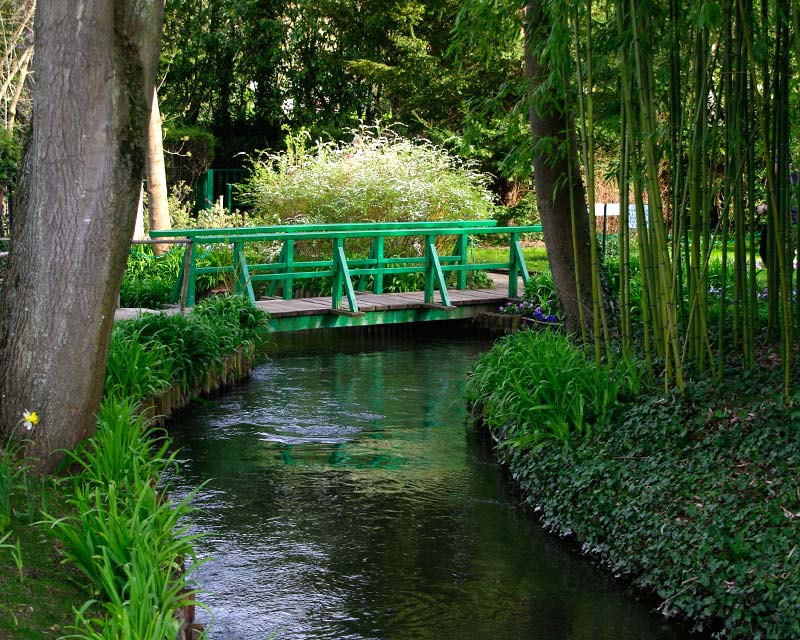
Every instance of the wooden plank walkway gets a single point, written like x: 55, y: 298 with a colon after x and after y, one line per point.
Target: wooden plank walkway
x: 302, y: 314
x: 279, y: 308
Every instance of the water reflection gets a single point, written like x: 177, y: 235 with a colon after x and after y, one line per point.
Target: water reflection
x: 345, y: 501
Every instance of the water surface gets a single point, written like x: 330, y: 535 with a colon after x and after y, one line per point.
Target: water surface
x: 345, y: 499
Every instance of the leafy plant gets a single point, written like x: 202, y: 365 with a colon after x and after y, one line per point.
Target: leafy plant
x: 537, y: 387
x: 126, y: 537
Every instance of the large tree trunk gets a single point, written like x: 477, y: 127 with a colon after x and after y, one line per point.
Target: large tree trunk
x: 157, y: 176
x: 95, y: 66
x: 555, y: 174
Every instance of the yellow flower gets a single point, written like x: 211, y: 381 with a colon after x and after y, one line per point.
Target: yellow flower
x: 29, y: 418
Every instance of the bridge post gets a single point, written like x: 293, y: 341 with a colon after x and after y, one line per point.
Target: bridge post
x: 517, y: 265
x: 433, y: 272
x: 341, y: 277
x: 460, y: 250
x: 241, y: 272
x: 288, y: 258
x: 377, y: 286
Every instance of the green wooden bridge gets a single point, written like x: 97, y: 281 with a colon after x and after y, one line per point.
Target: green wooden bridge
x: 358, y: 258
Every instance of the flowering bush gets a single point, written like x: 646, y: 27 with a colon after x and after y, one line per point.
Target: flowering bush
x: 379, y: 176
x: 530, y: 310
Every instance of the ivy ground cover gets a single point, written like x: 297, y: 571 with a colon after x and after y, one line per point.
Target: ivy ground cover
x: 695, y: 499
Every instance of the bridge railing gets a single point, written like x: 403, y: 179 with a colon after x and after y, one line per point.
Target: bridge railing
x: 343, y: 270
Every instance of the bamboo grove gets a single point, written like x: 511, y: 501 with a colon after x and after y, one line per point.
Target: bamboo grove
x: 705, y: 100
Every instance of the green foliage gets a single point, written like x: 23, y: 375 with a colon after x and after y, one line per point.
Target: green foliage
x: 379, y: 176
x: 174, y: 348
x: 149, y: 280
x: 12, y: 471
x: 537, y: 386
x: 235, y: 321
x: 136, y: 367
x: 146, y: 293
x: 540, y: 290
x: 126, y: 538
x: 693, y: 498
x: 188, y: 153
x: 10, y: 152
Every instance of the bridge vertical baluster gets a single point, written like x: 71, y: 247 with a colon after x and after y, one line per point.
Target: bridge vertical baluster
x: 242, y: 272
x: 288, y: 284
x: 433, y: 273
x: 336, y: 292
x: 273, y: 285
x: 341, y: 277
x: 191, y: 287
x: 377, y: 286
x: 175, y: 297
x: 516, y: 265
x: 460, y: 250
x: 364, y: 278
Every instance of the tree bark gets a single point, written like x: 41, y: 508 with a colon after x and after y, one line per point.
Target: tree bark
x: 157, y: 203
x: 555, y: 174
x: 138, y: 227
x: 95, y: 65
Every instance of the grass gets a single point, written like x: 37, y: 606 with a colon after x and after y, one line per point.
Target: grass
x: 535, y: 257
x: 42, y: 604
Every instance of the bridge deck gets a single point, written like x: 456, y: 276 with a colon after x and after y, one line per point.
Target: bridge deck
x: 388, y: 308
x: 367, y: 302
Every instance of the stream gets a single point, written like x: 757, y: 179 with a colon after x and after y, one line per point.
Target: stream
x: 345, y: 499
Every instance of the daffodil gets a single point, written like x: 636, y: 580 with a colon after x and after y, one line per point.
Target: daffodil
x: 29, y: 419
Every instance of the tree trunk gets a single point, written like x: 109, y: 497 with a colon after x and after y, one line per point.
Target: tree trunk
x: 138, y: 227
x: 157, y: 205
x: 95, y: 66
x: 555, y: 174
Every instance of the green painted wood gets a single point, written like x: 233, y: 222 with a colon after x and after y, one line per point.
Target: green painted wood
x: 228, y: 237
x: 433, y: 274
x: 341, y: 278
x: 460, y: 253
x: 192, y: 276
x: 273, y: 286
x: 377, y: 265
x: 363, y: 279
x: 377, y: 287
x: 371, y: 318
x: 288, y: 283
x: 343, y: 226
x: 175, y: 296
x: 243, y: 281
x: 517, y: 265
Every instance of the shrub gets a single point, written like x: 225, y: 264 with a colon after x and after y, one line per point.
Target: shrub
x: 189, y: 152
x: 379, y: 176
x: 169, y: 348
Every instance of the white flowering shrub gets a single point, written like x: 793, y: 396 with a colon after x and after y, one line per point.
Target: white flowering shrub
x: 378, y: 177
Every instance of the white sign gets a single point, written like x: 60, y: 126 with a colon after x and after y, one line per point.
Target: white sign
x: 612, y: 209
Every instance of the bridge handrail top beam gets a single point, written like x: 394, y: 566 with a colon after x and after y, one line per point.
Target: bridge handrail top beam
x: 367, y: 233
x: 343, y: 226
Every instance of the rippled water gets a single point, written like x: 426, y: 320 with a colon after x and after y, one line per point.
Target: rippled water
x: 345, y: 499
